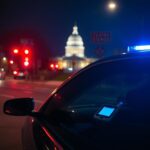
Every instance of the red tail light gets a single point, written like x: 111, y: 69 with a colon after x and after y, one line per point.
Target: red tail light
x: 56, y: 66
x: 52, y: 65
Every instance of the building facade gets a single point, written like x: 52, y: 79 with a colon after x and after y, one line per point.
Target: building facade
x: 74, y: 58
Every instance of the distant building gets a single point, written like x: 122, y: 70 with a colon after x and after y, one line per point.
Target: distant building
x: 75, y: 45
x: 74, y: 58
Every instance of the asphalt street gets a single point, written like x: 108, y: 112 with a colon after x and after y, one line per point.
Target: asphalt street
x: 10, y: 126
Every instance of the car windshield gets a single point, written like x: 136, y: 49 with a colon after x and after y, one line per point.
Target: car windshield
x: 106, y: 84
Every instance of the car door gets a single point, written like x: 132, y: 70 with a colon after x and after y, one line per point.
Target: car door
x: 69, y: 114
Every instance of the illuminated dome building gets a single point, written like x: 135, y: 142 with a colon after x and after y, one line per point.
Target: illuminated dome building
x: 74, y: 58
x: 75, y: 45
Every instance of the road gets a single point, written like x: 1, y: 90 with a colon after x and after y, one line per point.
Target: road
x: 10, y: 126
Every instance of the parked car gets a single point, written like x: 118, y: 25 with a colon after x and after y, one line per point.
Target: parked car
x: 104, y: 106
x: 19, y: 74
x: 2, y: 74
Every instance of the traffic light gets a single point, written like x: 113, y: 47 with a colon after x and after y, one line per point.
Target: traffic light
x: 26, y: 51
x: 15, y: 51
x: 26, y: 63
x: 11, y: 62
x: 26, y: 58
x: 22, y: 57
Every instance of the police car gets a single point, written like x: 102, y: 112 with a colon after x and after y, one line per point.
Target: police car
x: 104, y: 106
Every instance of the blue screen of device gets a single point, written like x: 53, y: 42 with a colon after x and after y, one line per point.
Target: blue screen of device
x: 106, y: 111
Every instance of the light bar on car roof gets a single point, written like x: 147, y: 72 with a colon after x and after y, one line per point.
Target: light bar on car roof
x: 140, y: 48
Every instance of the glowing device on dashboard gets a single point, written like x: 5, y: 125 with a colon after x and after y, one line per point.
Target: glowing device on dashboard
x: 106, y: 111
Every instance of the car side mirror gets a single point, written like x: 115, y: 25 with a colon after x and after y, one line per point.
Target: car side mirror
x: 19, y: 106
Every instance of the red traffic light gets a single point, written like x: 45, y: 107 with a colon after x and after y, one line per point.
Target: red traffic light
x: 15, y: 51
x: 26, y: 59
x: 26, y: 51
x: 26, y: 63
x: 11, y: 61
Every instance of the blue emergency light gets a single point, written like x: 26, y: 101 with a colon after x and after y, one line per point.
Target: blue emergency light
x: 140, y: 48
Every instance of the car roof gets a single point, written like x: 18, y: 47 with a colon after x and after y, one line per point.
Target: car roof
x: 138, y: 55
x: 132, y: 55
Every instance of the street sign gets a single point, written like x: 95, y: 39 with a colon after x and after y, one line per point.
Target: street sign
x: 100, y: 37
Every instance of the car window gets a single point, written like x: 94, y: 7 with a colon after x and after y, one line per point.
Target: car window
x: 106, y: 83
x: 110, y: 90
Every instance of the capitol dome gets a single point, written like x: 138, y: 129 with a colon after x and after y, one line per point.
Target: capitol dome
x: 74, y: 45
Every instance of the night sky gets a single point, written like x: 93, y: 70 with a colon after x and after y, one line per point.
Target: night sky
x: 52, y: 20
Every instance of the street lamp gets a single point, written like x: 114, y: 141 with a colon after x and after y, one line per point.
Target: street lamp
x: 4, y: 59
